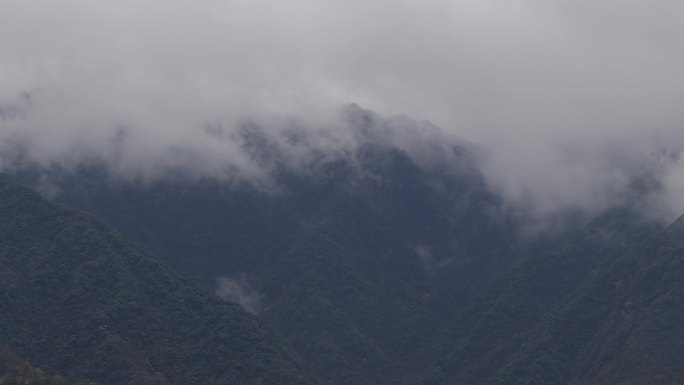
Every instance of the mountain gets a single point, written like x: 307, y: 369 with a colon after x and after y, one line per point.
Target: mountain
x: 600, y: 307
x: 80, y: 301
x: 357, y: 261
x: 393, y: 262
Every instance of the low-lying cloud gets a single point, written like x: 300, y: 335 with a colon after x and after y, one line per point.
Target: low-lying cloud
x: 572, y: 98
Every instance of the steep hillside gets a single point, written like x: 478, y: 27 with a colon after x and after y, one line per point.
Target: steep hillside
x: 357, y: 259
x: 383, y: 278
x: 80, y: 301
x: 388, y: 263
x: 358, y: 262
x: 603, y: 308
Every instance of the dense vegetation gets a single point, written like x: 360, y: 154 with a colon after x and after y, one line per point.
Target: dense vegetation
x: 14, y: 371
x: 377, y: 267
x: 554, y: 317
x: 355, y: 272
x: 80, y: 301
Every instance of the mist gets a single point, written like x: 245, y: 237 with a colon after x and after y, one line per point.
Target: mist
x: 572, y: 100
x: 239, y: 291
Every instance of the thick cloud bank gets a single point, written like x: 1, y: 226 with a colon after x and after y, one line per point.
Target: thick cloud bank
x: 573, y: 98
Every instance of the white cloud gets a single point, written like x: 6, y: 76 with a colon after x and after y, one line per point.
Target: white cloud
x: 554, y: 88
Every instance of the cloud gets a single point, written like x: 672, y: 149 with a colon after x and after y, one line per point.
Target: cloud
x: 569, y: 96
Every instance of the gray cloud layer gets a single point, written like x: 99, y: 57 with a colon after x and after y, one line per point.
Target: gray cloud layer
x: 570, y: 96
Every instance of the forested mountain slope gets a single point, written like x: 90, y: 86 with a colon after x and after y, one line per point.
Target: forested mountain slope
x: 358, y: 262
x: 383, y: 264
x: 370, y: 291
x: 80, y: 301
x: 356, y: 271
x: 602, y: 307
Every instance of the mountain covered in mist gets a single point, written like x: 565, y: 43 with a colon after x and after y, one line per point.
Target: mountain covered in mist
x: 389, y: 261
x: 341, y: 257
x: 187, y: 196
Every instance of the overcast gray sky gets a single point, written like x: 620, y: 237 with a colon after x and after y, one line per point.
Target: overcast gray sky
x: 570, y: 96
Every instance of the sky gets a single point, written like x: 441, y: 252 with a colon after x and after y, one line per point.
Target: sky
x: 571, y: 98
